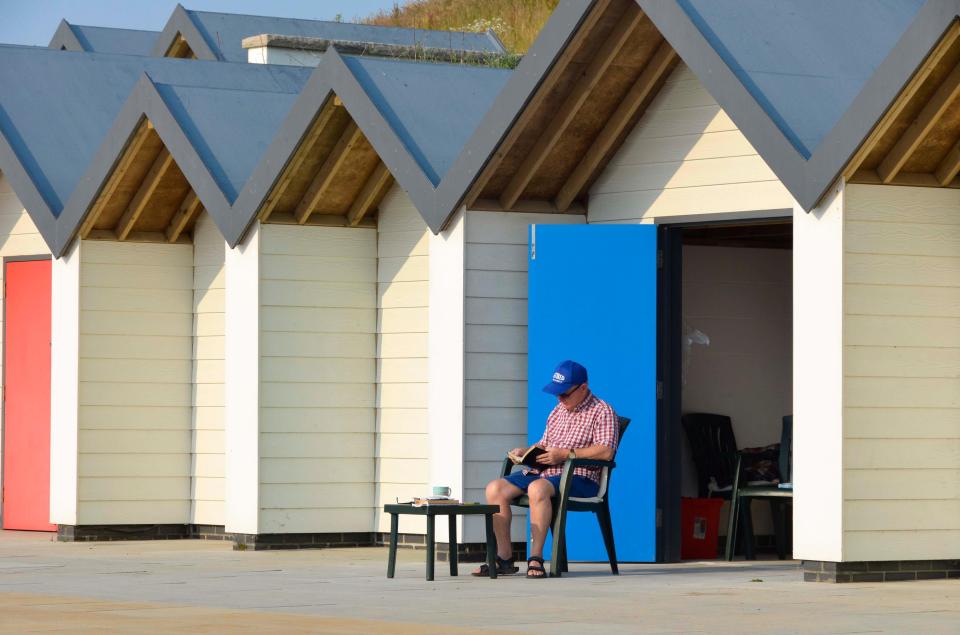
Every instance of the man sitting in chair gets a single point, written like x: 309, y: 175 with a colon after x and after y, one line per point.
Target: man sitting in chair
x: 581, y: 425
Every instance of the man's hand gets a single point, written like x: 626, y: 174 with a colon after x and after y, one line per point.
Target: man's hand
x: 553, y: 456
x: 517, y: 451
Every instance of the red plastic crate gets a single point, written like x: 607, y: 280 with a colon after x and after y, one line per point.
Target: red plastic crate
x: 699, y: 527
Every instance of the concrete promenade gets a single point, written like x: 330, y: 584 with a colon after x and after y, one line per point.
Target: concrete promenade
x: 205, y: 587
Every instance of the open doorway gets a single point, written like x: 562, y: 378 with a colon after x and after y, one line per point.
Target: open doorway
x: 730, y: 344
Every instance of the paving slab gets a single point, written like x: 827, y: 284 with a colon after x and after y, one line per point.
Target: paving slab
x: 204, y: 586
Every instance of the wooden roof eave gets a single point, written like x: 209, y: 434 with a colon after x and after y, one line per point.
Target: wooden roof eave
x: 126, y: 227
x: 327, y: 178
x: 575, y: 101
x: 919, y: 112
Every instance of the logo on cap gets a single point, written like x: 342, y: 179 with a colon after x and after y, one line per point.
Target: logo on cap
x: 558, y: 378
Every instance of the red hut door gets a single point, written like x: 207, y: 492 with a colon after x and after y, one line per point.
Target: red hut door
x: 26, y: 398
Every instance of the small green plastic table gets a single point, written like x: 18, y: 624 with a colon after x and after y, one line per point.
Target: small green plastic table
x: 431, y: 512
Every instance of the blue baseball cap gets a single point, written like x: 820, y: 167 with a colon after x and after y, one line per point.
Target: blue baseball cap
x: 568, y: 374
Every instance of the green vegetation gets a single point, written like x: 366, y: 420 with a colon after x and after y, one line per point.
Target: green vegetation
x: 516, y: 22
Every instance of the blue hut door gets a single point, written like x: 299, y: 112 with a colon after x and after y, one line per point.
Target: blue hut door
x: 593, y: 299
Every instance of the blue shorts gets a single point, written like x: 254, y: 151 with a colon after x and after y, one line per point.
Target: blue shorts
x: 582, y: 487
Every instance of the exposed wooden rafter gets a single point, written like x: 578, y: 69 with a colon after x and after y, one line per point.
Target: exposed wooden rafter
x: 129, y: 155
x: 180, y: 49
x: 187, y: 211
x: 372, y: 191
x: 300, y: 156
x: 949, y: 166
x: 653, y: 73
x: 914, y: 135
x: 161, y: 165
x: 950, y: 37
x: 571, y: 105
x: 321, y: 182
x: 908, y: 179
x: 569, y: 52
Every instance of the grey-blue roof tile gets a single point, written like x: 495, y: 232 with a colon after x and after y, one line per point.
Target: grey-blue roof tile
x: 230, y: 129
x: 96, y: 39
x: 803, y: 61
x: 433, y: 108
x: 57, y: 126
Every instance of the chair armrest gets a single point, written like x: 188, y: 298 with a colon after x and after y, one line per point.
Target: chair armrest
x: 566, y: 478
x: 572, y: 463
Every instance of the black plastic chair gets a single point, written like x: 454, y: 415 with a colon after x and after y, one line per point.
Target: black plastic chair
x: 563, y: 503
x: 714, y: 450
x: 779, y: 496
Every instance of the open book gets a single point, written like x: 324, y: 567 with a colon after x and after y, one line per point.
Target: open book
x: 426, y: 501
x: 529, y: 458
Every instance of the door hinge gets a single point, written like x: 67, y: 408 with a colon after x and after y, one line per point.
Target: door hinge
x: 659, y: 390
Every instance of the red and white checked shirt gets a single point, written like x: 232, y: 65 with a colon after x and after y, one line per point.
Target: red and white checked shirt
x: 593, y: 422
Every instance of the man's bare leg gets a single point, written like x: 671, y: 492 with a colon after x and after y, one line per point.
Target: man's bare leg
x: 501, y: 492
x: 540, y: 492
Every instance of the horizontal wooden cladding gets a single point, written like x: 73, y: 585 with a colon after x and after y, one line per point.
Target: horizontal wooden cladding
x: 904, y: 454
x: 307, y: 470
x: 92, y: 464
x: 308, y: 345
x: 277, y: 445
x: 409, y: 367
x: 143, y: 512
x: 901, y: 515
x: 917, y: 143
x: 684, y: 156
x: 902, y: 361
x: 908, y: 544
x: 334, y: 177
x: 332, y: 496
x: 302, y: 419
x: 402, y: 420
x: 903, y: 485
x: 136, y: 388
x: 318, y: 317
x: 902, y: 300
x: 146, y: 197
x: 209, y: 296
x: 319, y: 241
x: 593, y: 96
x: 873, y: 422
x: 134, y: 489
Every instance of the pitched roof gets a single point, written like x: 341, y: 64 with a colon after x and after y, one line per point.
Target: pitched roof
x: 219, y: 36
x: 800, y: 87
x: 803, y: 92
x: 797, y: 59
x: 97, y: 39
x: 415, y: 115
x: 505, y: 111
x: 59, y: 141
x: 432, y: 107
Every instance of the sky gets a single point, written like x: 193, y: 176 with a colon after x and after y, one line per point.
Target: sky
x: 34, y: 21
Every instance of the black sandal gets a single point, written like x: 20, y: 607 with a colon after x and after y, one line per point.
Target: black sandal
x: 504, y: 567
x: 535, y: 564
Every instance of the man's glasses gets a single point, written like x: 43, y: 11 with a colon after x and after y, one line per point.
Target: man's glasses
x: 570, y: 392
